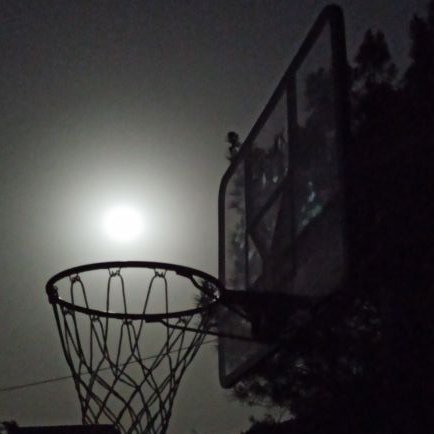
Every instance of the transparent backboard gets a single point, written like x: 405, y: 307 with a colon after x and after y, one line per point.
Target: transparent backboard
x: 281, y: 202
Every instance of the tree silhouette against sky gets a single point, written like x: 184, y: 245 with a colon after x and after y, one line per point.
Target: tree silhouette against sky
x: 365, y: 363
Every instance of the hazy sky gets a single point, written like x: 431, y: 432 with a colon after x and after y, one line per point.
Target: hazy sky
x: 128, y: 102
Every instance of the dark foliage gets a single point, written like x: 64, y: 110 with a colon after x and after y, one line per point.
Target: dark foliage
x: 364, y: 364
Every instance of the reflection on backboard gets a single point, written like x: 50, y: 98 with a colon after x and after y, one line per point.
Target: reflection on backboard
x: 281, y: 207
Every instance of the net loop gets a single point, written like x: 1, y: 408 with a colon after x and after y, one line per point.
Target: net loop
x: 114, y: 273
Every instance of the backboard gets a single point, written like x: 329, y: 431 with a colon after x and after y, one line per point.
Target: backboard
x: 281, y: 201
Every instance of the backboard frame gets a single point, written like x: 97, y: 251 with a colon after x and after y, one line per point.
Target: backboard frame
x: 331, y: 16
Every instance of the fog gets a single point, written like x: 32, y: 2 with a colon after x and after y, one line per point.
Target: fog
x: 104, y: 105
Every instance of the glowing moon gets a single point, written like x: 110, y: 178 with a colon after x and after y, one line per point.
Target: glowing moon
x: 123, y: 223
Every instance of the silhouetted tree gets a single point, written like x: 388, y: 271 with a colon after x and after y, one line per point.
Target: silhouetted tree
x: 373, y: 62
x: 419, y: 78
x: 365, y: 363
x: 319, y: 101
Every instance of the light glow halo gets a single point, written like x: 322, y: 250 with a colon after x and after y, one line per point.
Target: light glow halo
x: 123, y: 223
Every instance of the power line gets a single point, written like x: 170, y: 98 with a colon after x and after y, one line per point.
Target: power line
x: 66, y: 377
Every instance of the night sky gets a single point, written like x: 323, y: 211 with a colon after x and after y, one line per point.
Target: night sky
x: 107, y: 103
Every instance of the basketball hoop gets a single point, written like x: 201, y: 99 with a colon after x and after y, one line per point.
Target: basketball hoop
x: 108, y: 314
